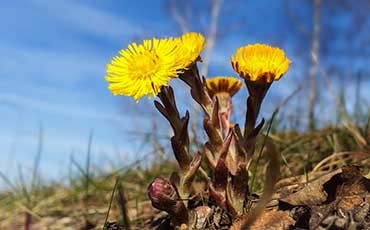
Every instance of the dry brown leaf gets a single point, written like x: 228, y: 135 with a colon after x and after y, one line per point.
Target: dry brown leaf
x: 342, y: 191
x: 347, y: 185
x: 354, y: 190
x: 269, y: 220
x: 313, y: 193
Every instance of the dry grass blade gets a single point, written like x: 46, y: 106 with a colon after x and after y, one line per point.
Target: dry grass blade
x: 367, y: 127
x: 272, y: 175
x: 87, y: 169
x: 8, y: 182
x: 340, y: 159
x: 111, y: 200
x: 35, y: 172
x: 122, y: 203
x: 263, y: 145
x: 356, y: 134
x: 28, y: 210
x: 270, y: 122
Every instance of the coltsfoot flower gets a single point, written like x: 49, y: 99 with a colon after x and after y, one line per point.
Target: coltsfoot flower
x: 141, y: 69
x: 192, y: 44
x: 260, y: 63
x: 223, y: 88
x: 220, y: 84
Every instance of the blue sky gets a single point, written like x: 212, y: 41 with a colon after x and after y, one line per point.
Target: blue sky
x: 52, y: 68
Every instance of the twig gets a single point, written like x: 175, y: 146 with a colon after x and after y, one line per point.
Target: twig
x: 315, y: 43
x: 211, y: 36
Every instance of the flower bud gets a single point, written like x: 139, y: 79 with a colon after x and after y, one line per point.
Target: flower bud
x: 162, y: 194
x: 164, y: 197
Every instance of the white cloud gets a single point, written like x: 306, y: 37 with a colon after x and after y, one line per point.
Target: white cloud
x: 86, y: 18
x: 24, y: 64
x: 70, y: 110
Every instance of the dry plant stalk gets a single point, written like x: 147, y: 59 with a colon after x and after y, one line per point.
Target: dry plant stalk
x: 146, y: 69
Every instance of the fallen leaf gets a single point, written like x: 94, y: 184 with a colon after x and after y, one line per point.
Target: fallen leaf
x: 269, y: 220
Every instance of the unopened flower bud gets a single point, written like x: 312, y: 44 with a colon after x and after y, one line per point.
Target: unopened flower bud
x: 164, y: 197
x: 162, y: 194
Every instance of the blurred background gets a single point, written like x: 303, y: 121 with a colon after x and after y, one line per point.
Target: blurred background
x: 55, y: 107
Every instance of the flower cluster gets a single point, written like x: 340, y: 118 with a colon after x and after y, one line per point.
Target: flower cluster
x: 145, y: 70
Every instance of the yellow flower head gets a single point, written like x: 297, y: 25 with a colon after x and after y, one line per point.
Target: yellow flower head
x: 192, y: 44
x: 229, y: 85
x: 261, y: 63
x: 142, y: 69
